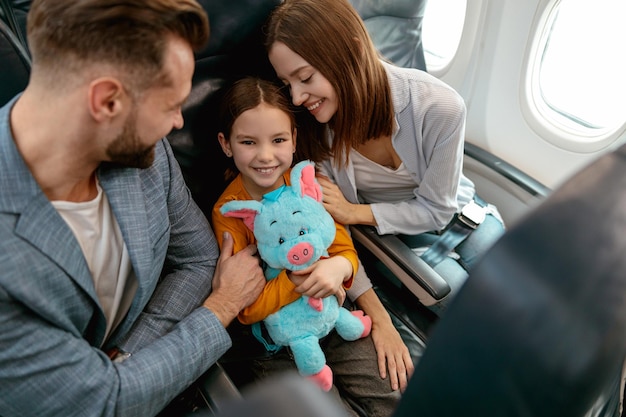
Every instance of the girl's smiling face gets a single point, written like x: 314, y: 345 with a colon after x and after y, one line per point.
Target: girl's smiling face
x: 308, y: 87
x: 262, y: 143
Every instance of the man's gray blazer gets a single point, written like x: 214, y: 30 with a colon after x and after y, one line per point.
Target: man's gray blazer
x: 51, y: 324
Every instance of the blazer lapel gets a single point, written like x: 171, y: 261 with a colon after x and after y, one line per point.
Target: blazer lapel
x: 56, y: 240
x: 125, y: 194
x: 39, y: 223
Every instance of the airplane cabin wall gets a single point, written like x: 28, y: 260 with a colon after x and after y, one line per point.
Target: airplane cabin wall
x: 489, y: 71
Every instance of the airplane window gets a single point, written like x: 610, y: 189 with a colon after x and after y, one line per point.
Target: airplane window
x: 579, y: 78
x: 441, y: 31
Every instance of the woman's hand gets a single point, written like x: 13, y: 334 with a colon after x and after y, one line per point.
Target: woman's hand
x: 394, y: 358
x: 393, y: 355
x: 342, y: 210
x: 334, y: 201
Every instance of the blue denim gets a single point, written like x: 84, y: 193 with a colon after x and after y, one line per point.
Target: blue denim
x: 468, y: 252
x: 472, y: 248
x: 479, y: 241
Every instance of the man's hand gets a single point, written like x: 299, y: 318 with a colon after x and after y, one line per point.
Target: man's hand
x: 237, y: 282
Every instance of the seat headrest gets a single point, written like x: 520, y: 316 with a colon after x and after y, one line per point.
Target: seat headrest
x: 397, y: 8
x: 15, y: 65
x: 235, y: 49
x: 233, y: 22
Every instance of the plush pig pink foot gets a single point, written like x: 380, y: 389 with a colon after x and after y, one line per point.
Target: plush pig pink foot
x: 316, y: 303
x: 323, y: 378
x: 366, y: 320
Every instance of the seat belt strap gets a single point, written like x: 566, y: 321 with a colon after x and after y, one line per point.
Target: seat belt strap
x: 464, y: 223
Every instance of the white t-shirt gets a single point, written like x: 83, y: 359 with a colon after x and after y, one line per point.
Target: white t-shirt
x: 381, y: 184
x: 100, y: 239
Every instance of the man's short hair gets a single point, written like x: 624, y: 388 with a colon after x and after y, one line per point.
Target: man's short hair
x: 66, y: 35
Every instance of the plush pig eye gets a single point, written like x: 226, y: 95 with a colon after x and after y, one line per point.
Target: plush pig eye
x: 303, y: 232
x: 281, y: 241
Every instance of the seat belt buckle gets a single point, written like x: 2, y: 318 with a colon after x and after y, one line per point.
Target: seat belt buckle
x: 472, y: 215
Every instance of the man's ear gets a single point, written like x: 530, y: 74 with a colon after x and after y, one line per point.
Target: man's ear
x: 106, y: 96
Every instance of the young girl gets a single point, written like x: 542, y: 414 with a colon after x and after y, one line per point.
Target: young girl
x: 258, y: 131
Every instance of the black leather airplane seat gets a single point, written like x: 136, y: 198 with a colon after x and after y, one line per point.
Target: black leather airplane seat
x: 235, y: 49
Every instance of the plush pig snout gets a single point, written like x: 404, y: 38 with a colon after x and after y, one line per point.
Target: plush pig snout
x: 300, y: 253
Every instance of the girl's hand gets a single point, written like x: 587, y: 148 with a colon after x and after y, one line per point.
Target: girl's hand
x: 325, y: 277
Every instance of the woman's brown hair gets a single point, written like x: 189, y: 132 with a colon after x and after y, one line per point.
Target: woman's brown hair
x: 330, y: 36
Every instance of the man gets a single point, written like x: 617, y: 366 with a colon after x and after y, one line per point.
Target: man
x: 102, y: 249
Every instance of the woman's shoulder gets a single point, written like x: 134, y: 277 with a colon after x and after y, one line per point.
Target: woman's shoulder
x: 396, y: 72
x: 412, y: 85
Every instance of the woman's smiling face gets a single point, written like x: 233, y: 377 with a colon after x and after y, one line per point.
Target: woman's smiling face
x: 307, y: 86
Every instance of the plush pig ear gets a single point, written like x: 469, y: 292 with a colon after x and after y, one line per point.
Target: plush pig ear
x: 303, y: 180
x: 245, y: 210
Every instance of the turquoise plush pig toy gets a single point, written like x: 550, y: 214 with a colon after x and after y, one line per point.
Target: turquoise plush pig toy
x: 293, y: 230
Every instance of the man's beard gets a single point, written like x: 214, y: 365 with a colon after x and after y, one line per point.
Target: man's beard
x: 126, y: 149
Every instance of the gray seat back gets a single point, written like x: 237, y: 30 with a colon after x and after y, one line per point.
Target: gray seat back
x: 396, y: 29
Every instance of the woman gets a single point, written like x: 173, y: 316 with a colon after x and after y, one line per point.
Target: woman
x: 389, y: 139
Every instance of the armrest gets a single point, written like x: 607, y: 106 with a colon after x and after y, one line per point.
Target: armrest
x: 217, y: 389
x: 507, y: 170
x: 514, y: 192
x: 419, y: 277
x: 285, y: 395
